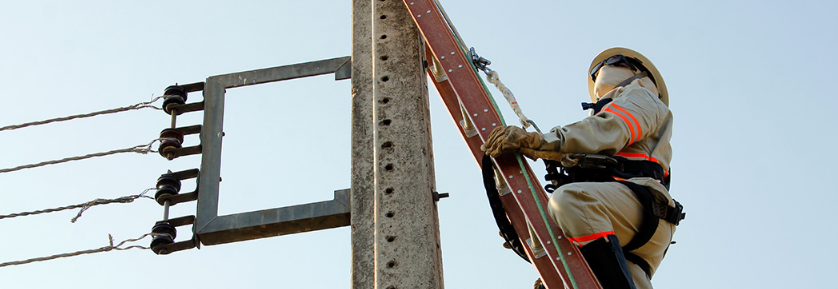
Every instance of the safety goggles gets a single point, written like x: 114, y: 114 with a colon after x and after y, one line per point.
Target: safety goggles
x: 615, y: 60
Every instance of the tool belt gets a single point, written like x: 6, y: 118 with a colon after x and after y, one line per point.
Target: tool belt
x: 600, y: 168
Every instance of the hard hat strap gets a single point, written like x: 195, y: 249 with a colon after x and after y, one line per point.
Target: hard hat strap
x: 633, y: 78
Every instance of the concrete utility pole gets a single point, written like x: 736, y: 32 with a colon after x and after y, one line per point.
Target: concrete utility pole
x: 395, y: 226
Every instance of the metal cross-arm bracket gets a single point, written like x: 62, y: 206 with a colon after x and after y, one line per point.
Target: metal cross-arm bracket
x: 208, y: 227
x: 278, y: 221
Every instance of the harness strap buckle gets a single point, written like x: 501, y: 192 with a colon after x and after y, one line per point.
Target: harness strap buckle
x: 672, y: 215
x: 595, y: 161
x: 676, y: 214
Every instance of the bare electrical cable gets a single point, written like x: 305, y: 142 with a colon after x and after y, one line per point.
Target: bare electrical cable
x: 138, y: 106
x: 83, y: 206
x: 110, y: 247
x: 142, y: 149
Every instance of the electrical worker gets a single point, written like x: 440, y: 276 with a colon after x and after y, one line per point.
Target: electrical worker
x: 611, y: 197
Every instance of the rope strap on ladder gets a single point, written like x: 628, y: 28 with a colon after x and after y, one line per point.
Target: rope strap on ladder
x: 493, y: 77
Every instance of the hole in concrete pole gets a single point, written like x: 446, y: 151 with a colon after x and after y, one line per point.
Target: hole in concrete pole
x: 384, y: 58
x: 385, y: 78
x: 391, y: 287
x: 391, y: 264
x: 386, y: 122
x: 389, y: 191
x: 387, y: 145
x: 390, y: 214
x: 385, y: 100
x: 383, y: 17
x: 384, y: 36
x: 388, y: 167
x: 391, y: 238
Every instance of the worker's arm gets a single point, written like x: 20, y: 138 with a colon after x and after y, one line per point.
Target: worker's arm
x: 632, y: 116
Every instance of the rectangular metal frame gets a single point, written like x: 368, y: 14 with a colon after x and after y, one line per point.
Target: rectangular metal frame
x: 213, y: 229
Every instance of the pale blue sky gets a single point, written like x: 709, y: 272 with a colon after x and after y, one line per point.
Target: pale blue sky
x: 749, y: 90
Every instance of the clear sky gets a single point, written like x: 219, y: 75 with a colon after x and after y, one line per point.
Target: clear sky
x: 748, y: 82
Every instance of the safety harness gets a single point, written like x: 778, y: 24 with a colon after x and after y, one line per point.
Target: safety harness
x: 600, y: 168
x: 597, y: 168
x: 588, y: 168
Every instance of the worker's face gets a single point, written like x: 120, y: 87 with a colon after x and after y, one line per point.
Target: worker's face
x: 608, y: 77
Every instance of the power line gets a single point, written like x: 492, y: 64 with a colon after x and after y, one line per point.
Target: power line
x: 138, y: 106
x: 83, y: 206
x: 142, y: 149
x: 103, y: 249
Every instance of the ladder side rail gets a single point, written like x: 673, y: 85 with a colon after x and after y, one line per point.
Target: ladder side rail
x: 449, y: 98
x: 569, y: 261
x: 576, y: 262
x: 545, y: 269
x: 480, y: 110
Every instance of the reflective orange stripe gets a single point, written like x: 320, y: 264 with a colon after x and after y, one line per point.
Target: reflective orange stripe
x: 648, y: 158
x: 638, y: 155
x: 628, y: 123
x: 637, y: 124
x: 590, y: 237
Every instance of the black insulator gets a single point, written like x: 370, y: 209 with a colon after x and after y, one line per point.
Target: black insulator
x: 164, y: 228
x: 167, y: 146
x: 164, y: 234
x: 169, y: 100
x: 174, y: 94
x: 172, y: 133
x: 175, y: 90
x: 171, y: 139
x: 159, y: 241
x: 164, y: 191
x: 168, y: 179
x: 167, y: 185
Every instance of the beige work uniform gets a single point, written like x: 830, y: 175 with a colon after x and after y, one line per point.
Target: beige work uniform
x: 635, y: 125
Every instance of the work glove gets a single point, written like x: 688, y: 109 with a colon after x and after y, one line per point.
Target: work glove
x: 542, y: 154
x: 513, y: 138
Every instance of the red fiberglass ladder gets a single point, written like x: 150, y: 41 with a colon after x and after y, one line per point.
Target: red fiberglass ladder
x: 469, y: 104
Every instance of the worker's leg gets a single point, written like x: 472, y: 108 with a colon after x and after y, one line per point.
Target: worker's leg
x: 586, y: 210
x: 589, y: 212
